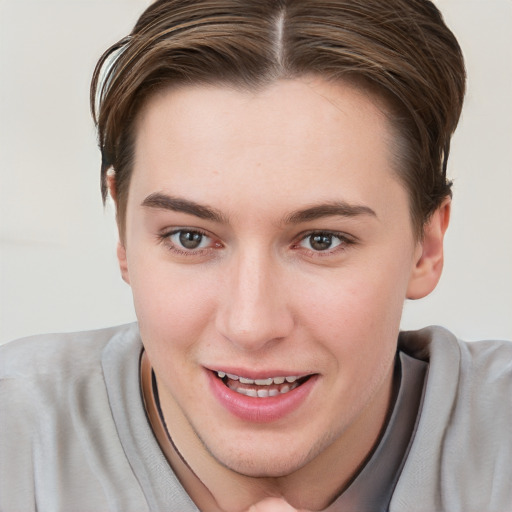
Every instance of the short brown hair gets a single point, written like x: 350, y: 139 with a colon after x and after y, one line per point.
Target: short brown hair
x: 399, y: 49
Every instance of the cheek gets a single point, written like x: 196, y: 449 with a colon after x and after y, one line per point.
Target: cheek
x: 172, y: 306
x: 356, y: 314
x: 354, y: 300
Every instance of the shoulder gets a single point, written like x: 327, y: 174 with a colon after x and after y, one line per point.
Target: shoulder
x: 469, y: 385
x: 56, y: 425
x: 474, y: 363
x: 462, y: 447
x: 51, y: 353
x: 46, y: 372
x: 50, y: 368
x: 471, y: 382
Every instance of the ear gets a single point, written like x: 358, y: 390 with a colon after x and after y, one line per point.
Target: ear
x: 111, y: 184
x: 121, y: 249
x: 123, y: 262
x: 429, y: 256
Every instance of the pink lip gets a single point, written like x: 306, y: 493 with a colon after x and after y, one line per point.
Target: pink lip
x: 260, y: 410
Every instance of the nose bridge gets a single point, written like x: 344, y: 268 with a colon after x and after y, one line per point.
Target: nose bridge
x: 255, y: 310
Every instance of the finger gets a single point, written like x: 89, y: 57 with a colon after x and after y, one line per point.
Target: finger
x: 272, y: 505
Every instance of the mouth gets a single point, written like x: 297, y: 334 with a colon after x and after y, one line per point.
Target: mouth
x: 261, y: 398
x: 261, y: 388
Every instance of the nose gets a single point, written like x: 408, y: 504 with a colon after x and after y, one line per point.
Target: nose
x: 254, y: 310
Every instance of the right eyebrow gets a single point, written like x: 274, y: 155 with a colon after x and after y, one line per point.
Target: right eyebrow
x: 162, y: 201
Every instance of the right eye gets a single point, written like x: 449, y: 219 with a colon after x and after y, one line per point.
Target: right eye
x: 189, y: 239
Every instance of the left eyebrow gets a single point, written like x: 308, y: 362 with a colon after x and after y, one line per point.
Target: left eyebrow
x: 331, y: 209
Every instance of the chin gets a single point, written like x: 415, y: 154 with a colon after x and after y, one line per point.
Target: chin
x: 264, y: 468
x: 271, y: 461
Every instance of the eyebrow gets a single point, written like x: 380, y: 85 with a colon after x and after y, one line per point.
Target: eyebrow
x: 176, y: 204
x: 330, y: 209
x: 162, y: 201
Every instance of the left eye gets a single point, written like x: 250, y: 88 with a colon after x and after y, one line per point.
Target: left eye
x: 320, y: 241
x: 190, y: 239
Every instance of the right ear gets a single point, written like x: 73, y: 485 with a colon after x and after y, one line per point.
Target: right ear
x: 123, y: 262
x: 111, y: 184
x: 121, y: 249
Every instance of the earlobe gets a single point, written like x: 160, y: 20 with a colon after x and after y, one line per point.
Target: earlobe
x: 123, y: 262
x: 429, y: 256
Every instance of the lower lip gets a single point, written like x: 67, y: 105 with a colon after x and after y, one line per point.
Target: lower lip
x: 260, y: 410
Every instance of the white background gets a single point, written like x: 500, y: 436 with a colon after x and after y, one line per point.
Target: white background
x: 58, y: 270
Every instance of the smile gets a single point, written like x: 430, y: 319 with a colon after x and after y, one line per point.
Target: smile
x: 261, y: 388
x: 261, y: 398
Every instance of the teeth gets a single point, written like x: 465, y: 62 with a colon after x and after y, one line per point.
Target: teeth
x: 262, y: 393
x: 264, y: 382
x: 258, y: 382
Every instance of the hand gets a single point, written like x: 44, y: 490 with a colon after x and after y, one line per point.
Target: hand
x: 273, y: 505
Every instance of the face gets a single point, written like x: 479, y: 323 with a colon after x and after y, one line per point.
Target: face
x: 268, y: 239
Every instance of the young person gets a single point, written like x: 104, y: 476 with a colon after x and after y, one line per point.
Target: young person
x: 279, y: 174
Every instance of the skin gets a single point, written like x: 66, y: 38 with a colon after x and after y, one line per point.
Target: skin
x: 256, y: 294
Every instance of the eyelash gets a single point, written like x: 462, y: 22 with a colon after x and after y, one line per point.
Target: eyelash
x: 344, y: 239
x: 165, y: 238
x: 344, y: 242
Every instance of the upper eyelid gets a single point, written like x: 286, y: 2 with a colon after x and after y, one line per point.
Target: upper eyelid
x: 340, y: 234
x: 174, y: 230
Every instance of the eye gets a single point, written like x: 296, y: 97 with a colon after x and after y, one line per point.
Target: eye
x: 189, y: 239
x: 319, y: 241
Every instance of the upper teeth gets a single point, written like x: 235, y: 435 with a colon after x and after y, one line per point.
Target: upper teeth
x: 259, y: 382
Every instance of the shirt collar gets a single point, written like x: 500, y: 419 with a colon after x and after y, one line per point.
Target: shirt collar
x: 373, y: 487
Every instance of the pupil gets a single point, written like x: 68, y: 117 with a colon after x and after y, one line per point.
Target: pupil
x: 190, y: 239
x: 321, y: 242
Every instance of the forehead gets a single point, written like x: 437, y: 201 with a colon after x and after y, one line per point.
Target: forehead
x: 313, y: 137
x: 306, y: 106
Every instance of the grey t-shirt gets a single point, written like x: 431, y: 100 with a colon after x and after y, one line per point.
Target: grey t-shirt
x: 74, y: 435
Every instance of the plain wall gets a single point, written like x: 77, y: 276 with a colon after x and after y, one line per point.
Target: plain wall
x: 58, y: 270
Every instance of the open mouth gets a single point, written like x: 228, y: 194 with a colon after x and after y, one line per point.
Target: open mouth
x: 261, y: 388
